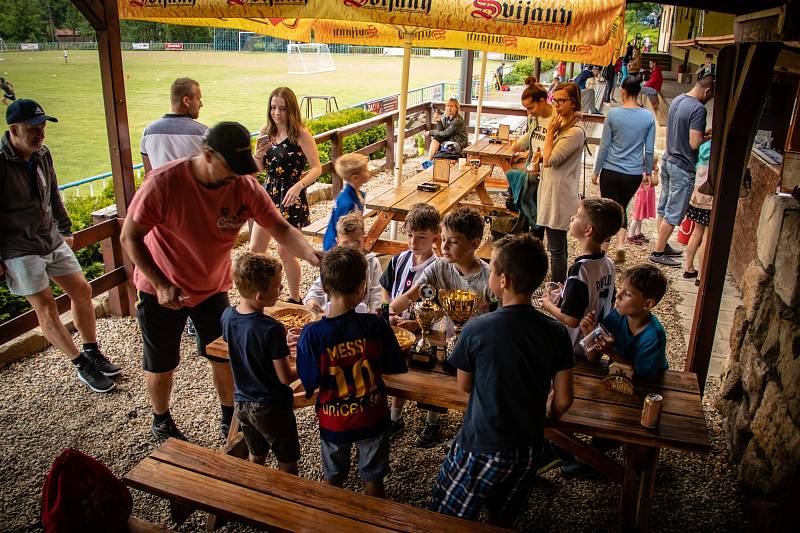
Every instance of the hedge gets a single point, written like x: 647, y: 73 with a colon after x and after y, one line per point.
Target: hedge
x: 524, y: 68
x: 81, y: 208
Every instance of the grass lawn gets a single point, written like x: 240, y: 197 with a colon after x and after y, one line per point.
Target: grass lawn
x: 235, y: 87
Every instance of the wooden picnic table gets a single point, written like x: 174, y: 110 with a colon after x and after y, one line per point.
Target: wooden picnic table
x: 492, y: 154
x: 596, y: 411
x: 394, y: 204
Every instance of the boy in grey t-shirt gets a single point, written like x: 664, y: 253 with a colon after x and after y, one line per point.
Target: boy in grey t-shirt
x: 458, y: 268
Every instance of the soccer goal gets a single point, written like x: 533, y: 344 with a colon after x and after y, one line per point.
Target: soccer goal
x: 309, y: 58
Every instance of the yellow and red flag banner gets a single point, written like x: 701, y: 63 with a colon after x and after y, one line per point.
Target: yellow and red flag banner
x: 361, y: 33
x: 579, y: 21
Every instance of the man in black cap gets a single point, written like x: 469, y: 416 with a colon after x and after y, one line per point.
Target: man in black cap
x: 35, y: 242
x: 179, y: 232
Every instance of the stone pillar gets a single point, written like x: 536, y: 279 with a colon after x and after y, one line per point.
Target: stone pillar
x: 760, y: 394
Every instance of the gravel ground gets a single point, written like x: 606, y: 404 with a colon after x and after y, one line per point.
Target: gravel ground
x: 43, y: 409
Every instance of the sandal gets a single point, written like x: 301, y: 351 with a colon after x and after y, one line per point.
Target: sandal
x: 689, y: 275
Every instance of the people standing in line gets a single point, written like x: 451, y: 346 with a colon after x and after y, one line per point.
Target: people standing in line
x: 708, y: 68
x: 686, y: 126
x: 627, y: 59
x: 626, y: 151
x: 36, y: 243
x: 179, y: 232
x: 583, y: 76
x: 699, y: 212
x: 523, y: 181
x: 635, y: 64
x: 653, y: 85
x: 611, y: 78
x: 450, y: 133
x: 177, y: 134
x: 644, y: 206
x: 8, y: 91
x: 499, y: 74
x: 285, y: 146
x: 558, y: 198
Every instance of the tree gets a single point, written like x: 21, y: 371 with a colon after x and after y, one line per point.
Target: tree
x: 23, y: 21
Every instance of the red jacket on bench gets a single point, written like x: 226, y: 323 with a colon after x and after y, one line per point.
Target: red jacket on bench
x: 656, y: 79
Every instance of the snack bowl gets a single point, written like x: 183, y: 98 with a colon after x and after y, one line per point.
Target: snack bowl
x: 405, y: 338
x: 293, y: 318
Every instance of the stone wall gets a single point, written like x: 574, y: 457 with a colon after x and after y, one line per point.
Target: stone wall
x: 760, y: 394
x: 765, y: 179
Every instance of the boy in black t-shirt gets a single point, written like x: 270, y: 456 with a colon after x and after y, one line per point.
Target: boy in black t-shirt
x: 516, y: 363
x: 260, y: 363
x: 590, y: 280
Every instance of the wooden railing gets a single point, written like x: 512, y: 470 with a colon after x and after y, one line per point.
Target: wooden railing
x: 106, y: 233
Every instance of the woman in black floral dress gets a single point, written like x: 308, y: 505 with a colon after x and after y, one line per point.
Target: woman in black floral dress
x: 284, y: 148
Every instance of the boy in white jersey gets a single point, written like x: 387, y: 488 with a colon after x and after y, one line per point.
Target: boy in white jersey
x: 458, y: 268
x: 422, y: 227
x: 590, y: 280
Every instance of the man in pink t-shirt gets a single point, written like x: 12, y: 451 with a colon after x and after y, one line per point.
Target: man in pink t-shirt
x: 179, y: 232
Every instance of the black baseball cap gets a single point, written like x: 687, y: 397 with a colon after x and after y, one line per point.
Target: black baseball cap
x: 232, y: 141
x: 27, y: 112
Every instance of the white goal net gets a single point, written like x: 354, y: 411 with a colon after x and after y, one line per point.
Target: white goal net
x: 309, y: 58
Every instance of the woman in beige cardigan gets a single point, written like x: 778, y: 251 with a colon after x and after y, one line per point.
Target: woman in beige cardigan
x: 558, y: 199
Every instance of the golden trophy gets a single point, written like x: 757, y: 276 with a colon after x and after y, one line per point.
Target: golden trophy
x: 459, y: 305
x: 427, y: 312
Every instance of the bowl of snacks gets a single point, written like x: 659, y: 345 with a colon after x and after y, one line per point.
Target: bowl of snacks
x: 293, y: 318
x: 405, y: 338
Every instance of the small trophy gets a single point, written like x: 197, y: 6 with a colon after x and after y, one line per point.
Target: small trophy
x: 459, y: 306
x: 427, y: 312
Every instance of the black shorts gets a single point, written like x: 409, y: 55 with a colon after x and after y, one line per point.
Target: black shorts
x: 9, y: 97
x: 269, y: 426
x: 620, y: 188
x: 699, y: 215
x: 162, y: 329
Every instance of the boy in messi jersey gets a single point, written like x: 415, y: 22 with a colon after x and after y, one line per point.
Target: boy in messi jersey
x: 344, y: 355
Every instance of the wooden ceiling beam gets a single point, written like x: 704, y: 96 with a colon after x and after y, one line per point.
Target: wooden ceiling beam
x: 93, y: 11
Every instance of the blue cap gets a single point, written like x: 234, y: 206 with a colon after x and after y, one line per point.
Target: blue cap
x: 26, y: 112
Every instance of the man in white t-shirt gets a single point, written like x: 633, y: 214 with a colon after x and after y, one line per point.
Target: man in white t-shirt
x: 177, y: 134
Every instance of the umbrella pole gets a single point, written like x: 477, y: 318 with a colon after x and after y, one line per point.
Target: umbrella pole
x: 484, y: 57
x: 401, y: 123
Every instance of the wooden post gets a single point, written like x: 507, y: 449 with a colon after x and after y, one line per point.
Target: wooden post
x: 103, y: 15
x: 336, y: 152
x: 740, y: 95
x: 390, y: 142
x: 428, y: 127
x: 120, y: 299
x: 571, y: 70
x: 537, y: 69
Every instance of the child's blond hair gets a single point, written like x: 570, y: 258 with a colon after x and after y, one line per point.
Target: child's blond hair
x: 253, y: 273
x: 350, y: 223
x: 350, y: 165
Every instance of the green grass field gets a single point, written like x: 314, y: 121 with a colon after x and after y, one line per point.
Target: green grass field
x: 235, y: 87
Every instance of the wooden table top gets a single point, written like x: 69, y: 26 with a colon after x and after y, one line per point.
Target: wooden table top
x: 595, y: 410
x: 401, y: 199
x: 484, y: 147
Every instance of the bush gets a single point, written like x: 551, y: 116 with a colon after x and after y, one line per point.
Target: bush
x: 337, y: 119
x: 526, y: 67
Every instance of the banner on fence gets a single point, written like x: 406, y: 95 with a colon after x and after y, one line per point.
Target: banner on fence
x: 173, y: 46
x: 29, y: 46
x: 389, y: 104
x: 585, y: 21
x: 141, y: 46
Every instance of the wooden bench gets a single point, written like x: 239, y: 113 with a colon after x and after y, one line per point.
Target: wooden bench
x: 318, y: 228
x: 659, y: 108
x: 192, y: 477
x: 137, y: 525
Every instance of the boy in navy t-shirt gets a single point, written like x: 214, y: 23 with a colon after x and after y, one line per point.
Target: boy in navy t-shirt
x: 590, y: 281
x: 353, y: 170
x: 637, y: 337
x: 260, y: 363
x: 516, y: 363
x: 344, y: 355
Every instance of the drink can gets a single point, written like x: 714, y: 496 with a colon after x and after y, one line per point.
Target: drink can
x: 651, y: 410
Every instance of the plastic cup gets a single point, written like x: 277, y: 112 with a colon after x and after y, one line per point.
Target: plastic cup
x: 462, y: 163
x: 553, y: 291
x: 591, y: 341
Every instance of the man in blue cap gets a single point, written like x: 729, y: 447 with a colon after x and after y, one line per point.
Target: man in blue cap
x: 35, y: 244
